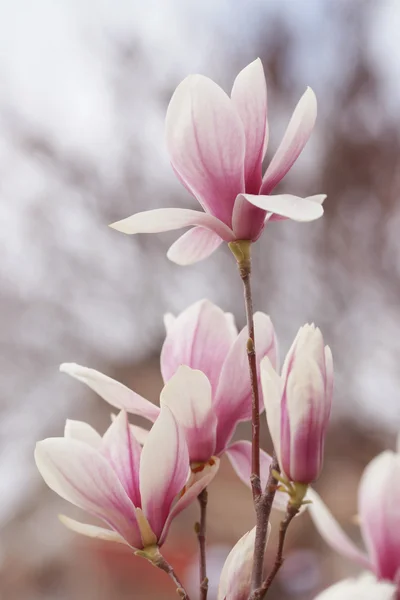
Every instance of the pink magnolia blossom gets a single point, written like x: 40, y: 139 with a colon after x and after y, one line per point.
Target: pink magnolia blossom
x: 365, y: 587
x: 298, y: 404
x: 207, y: 384
x: 217, y: 145
x: 235, y: 580
x: 136, y: 492
x: 379, y: 514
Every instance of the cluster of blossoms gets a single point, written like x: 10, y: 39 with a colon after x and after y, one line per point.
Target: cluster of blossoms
x: 138, y: 480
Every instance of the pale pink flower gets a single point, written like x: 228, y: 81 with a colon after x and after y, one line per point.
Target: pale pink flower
x: 235, y: 580
x: 136, y: 492
x: 298, y: 404
x: 207, y: 384
x: 379, y: 517
x: 217, y: 145
x: 365, y: 587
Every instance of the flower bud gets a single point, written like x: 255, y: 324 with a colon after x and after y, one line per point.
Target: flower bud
x: 235, y: 580
x: 298, y: 404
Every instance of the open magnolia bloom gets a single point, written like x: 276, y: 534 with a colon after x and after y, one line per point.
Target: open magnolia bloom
x: 207, y: 383
x: 365, y: 587
x: 235, y: 580
x: 217, y: 145
x: 298, y: 405
x: 136, y: 491
x: 379, y: 516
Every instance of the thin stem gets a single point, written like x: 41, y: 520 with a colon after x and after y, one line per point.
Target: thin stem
x: 263, y: 512
x: 262, y: 591
x: 201, y: 536
x: 164, y: 565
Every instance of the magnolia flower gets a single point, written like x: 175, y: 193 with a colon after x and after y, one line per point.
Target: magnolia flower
x: 298, y: 405
x: 217, y: 145
x: 379, y: 514
x: 363, y: 588
x: 207, y: 382
x: 136, y: 492
x: 235, y: 580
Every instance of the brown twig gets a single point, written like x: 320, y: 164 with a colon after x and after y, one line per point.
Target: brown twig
x: 262, y: 502
x: 201, y: 536
x: 263, y: 511
x: 260, y: 593
x: 164, y: 565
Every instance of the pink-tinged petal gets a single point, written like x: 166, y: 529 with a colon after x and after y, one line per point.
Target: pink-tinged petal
x: 248, y: 221
x: 164, y: 469
x: 169, y: 219
x: 272, y: 392
x: 206, y: 144
x: 188, y: 395
x: 92, y: 531
x: 249, y: 97
x: 235, y: 580
x: 304, y: 414
x: 194, y: 487
x: 365, y: 587
x: 200, y: 338
x: 331, y: 531
x: 379, y: 511
x: 296, y: 136
x: 122, y: 451
x: 319, y: 198
x: 308, y: 340
x: 78, y: 430
x: 194, y: 245
x: 239, y: 454
x: 112, y: 391
x: 79, y: 474
x: 140, y: 433
x: 292, y: 207
x: 233, y: 397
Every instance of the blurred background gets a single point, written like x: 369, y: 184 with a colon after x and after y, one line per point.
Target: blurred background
x: 84, y: 87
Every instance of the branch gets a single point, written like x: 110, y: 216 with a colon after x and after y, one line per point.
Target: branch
x: 291, y: 512
x: 201, y: 536
x: 164, y: 565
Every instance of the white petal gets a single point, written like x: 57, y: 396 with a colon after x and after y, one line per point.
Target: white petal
x: 206, y: 143
x: 272, y: 394
x: 79, y: 474
x: 164, y: 469
x: 200, y: 338
x: 194, y: 245
x: 365, y: 587
x: 289, y: 206
x: 233, y: 398
x: 249, y: 96
x: 188, y: 395
x: 140, y: 433
x: 379, y: 511
x: 78, y: 430
x: 122, y: 450
x: 331, y: 531
x: 194, y: 486
x: 92, y: 531
x: 235, y: 580
x: 295, y: 138
x: 169, y: 219
x: 112, y: 391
